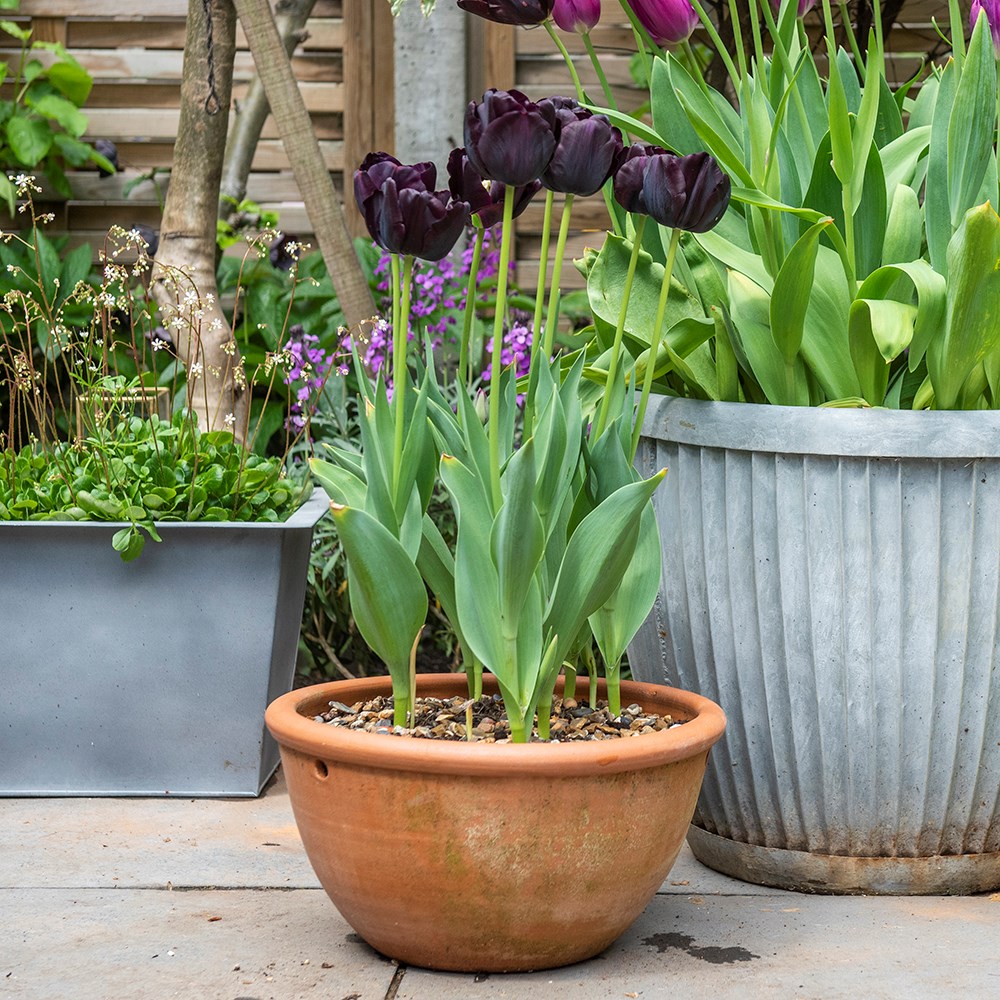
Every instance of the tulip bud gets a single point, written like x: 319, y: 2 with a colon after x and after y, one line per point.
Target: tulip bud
x: 576, y: 15
x: 667, y: 21
x: 523, y: 12
x: 588, y: 152
x: 403, y: 212
x: 991, y: 8
x: 509, y: 138
x: 485, y: 198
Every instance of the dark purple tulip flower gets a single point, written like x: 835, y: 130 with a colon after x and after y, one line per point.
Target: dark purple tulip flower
x: 284, y: 252
x: 403, y: 212
x: 375, y: 170
x: 632, y: 172
x: 667, y: 21
x: 576, y: 15
x: 524, y: 12
x: 485, y: 198
x: 682, y: 192
x: 588, y: 152
x: 509, y: 138
x: 109, y: 151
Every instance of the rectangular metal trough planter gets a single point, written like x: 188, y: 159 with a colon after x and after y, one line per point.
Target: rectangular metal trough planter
x: 149, y: 677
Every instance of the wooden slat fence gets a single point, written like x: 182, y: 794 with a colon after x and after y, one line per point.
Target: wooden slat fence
x: 136, y: 61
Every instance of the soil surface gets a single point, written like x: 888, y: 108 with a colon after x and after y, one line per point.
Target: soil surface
x: 453, y: 718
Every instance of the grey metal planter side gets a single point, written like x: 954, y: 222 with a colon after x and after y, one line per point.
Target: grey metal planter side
x: 149, y: 677
x: 832, y: 579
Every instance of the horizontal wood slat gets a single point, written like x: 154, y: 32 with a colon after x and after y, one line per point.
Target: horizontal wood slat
x: 135, y: 54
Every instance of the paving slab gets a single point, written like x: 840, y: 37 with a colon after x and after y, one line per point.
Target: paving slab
x: 143, y: 899
x: 144, y: 944
x: 154, y: 842
x: 745, y: 947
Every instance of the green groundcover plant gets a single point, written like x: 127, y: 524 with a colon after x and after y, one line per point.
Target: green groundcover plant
x: 856, y: 265
x: 94, y: 421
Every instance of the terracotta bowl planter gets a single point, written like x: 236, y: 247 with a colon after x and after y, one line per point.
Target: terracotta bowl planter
x: 479, y: 857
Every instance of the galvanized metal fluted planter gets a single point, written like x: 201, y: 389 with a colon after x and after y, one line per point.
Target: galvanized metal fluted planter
x: 149, y: 677
x: 832, y: 579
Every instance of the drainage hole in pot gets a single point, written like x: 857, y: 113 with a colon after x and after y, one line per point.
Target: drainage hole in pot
x: 322, y: 771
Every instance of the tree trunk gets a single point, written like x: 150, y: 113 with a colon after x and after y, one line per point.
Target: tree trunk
x: 250, y: 114
x: 295, y: 127
x: 185, y: 259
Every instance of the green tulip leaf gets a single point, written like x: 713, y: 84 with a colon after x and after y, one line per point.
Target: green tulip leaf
x: 793, y: 290
x: 972, y: 328
x: 971, y: 127
x: 388, y: 596
x: 597, y: 557
x: 517, y: 541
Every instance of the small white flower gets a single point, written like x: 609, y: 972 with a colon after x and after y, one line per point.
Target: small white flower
x: 230, y: 420
x: 195, y: 370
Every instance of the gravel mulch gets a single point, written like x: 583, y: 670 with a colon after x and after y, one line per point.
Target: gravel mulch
x: 452, y: 718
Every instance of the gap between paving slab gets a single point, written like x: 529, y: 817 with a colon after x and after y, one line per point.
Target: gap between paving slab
x: 148, y: 899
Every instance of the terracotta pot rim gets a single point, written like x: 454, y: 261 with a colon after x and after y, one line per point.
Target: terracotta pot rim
x: 290, y: 720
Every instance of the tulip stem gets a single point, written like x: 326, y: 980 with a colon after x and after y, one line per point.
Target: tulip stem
x: 654, y: 345
x: 599, y: 70
x: 695, y: 65
x: 399, y: 335
x: 709, y: 27
x: 642, y: 39
x: 741, y: 53
x: 464, y: 374
x: 507, y: 237
x: 580, y: 96
x: 552, y: 316
x: 781, y: 54
x: 536, y: 328
x: 758, y: 44
x: 394, y: 276
x: 602, y: 418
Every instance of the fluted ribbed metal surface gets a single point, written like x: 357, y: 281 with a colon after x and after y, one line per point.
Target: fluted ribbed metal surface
x: 844, y: 611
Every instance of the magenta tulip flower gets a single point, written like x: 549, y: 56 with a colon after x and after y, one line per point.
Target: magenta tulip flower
x: 991, y: 8
x: 576, y: 15
x: 667, y: 21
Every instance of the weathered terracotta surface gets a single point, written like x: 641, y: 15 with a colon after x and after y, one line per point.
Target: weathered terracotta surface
x: 490, y: 858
